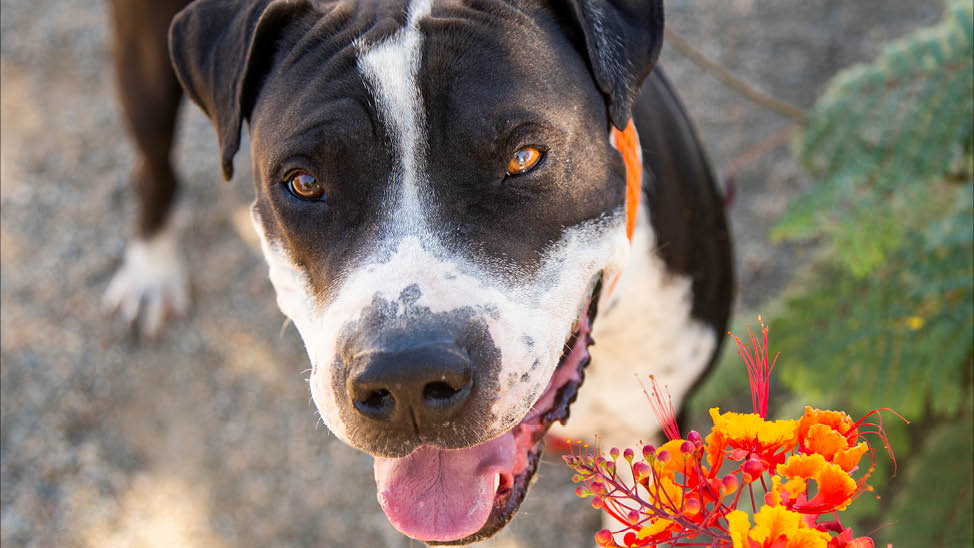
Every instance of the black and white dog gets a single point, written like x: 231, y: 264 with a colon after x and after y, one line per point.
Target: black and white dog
x: 442, y: 201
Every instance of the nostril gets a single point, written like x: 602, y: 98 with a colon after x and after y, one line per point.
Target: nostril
x: 446, y: 397
x: 377, y: 404
x: 377, y: 399
x: 437, y: 391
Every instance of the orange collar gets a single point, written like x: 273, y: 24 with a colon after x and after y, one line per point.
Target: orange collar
x: 627, y: 143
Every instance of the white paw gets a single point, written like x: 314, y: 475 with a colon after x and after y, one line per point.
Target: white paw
x: 151, y: 284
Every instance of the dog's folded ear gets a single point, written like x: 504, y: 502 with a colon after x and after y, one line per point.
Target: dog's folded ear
x: 623, y: 40
x: 221, y: 50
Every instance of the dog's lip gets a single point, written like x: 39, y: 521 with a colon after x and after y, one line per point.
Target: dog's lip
x: 509, y: 497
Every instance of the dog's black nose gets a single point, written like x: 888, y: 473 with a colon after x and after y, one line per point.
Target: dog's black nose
x: 425, y: 384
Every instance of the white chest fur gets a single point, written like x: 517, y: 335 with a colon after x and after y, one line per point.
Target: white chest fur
x: 644, y: 329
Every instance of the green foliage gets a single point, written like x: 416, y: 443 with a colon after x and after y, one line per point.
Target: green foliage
x: 897, y: 337
x: 937, y: 503
x: 879, y: 135
x: 886, y: 317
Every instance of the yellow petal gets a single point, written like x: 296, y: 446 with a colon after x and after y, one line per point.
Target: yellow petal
x: 738, y: 525
x: 774, y: 495
x: 808, y: 538
x: 656, y: 527
x: 795, y: 487
x: 772, y: 521
x: 678, y: 461
x: 802, y: 466
x: 746, y: 429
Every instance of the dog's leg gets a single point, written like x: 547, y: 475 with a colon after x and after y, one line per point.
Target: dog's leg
x: 152, y: 281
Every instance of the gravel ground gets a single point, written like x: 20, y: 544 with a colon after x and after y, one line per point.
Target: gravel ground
x: 207, y: 436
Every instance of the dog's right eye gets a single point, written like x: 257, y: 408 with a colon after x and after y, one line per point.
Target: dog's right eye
x: 304, y: 186
x: 523, y: 160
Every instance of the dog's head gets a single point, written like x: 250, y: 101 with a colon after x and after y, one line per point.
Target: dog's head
x: 438, y: 201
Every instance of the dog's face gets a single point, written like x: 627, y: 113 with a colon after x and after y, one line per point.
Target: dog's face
x: 438, y: 201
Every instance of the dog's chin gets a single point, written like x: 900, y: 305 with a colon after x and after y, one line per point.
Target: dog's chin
x: 453, y: 497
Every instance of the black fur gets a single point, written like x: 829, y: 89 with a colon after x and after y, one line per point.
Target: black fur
x: 494, y: 76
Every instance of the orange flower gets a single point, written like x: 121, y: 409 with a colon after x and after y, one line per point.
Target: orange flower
x: 845, y: 540
x: 836, y: 420
x: 836, y: 488
x: 677, y: 495
x: 774, y: 526
x: 831, y: 434
x: 849, y: 459
x: 747, y: 435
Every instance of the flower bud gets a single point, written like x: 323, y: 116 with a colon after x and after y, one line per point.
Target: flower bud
x: 581, y: 491
x: 752, y: 469
x: 649, y: 452
x: 694, y: 437
x: 641, y: 471
x: 729, y: 483
x: 691, y: 506
x: 614, y: 452
x: 604, y: 538
x: 663, y: 456
x: 686, y: 447
x: 632, y: 517
x: 628, y: 454
x: 597, y: 503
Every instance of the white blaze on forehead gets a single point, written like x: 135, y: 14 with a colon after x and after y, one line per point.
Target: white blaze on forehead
x: 390, y: 69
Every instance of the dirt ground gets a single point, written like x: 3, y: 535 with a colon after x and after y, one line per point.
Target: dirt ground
x: 207, y: 436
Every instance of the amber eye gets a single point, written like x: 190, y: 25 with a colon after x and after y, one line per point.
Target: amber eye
x: 305, y: 186
x: 523, y: 160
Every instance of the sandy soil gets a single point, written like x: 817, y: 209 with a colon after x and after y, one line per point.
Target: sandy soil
x: 207, y: 436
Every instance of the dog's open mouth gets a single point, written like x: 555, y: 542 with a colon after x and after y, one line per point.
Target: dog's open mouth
x: 462, y: 496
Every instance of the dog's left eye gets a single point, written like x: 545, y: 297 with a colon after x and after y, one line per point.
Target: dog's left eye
x: 523, y: 160
x: 304, y: 186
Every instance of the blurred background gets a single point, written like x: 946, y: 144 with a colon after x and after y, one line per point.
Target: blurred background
x: 853, y: 230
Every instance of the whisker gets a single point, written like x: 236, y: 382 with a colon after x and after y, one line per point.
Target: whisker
x: 287, y: 322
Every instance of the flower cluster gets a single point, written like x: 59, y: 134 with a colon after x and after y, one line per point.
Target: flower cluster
x: 686, y: 492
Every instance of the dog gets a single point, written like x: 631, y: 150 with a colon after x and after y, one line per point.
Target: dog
x: 454, y: 198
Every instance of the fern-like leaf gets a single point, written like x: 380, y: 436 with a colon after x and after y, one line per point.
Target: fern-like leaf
x: 879, y: 135
x: 900, y: 338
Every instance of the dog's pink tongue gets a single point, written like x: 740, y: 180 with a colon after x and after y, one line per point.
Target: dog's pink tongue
x: 436, y: 494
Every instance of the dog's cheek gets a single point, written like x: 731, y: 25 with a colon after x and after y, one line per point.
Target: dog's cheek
x: 297, y: 302
x: 534, y: 320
